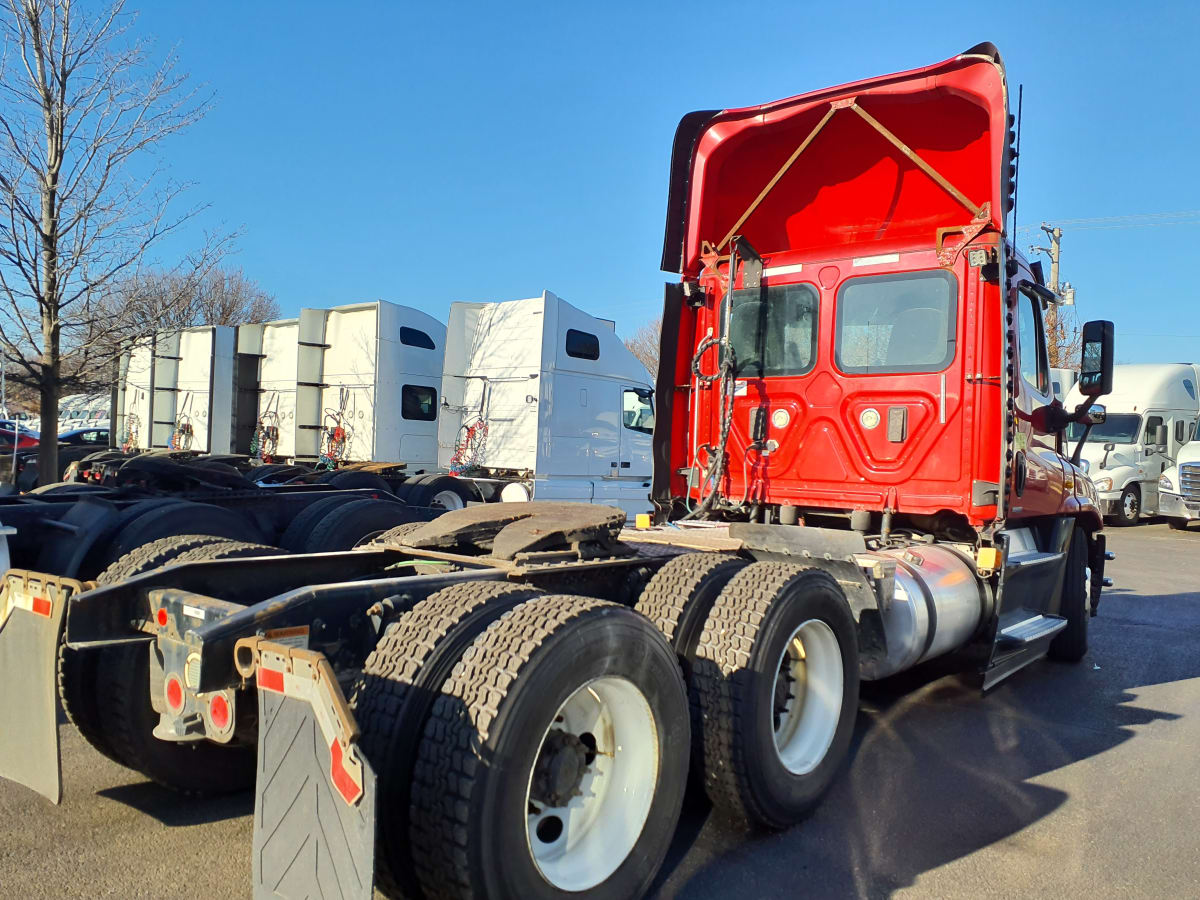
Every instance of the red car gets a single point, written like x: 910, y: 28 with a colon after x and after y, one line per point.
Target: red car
x: 26, y: 440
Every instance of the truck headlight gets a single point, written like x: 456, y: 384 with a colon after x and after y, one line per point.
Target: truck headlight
x: 1164, y: 483
x: 1103, y: 484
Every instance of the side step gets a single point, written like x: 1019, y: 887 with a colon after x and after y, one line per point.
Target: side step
x: 1019, y: 644
x: 1030, y: 631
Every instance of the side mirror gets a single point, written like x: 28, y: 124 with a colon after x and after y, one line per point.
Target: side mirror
x: 1110, y: 447
x: 1098, y: 415
x: 1161, y: 434
x: 1096, y: 367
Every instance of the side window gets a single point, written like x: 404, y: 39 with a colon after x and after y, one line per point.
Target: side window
x: 897, y: 323
x: 418, y: 402
x: 1031, y: 345
x: 582, y: 345
x: 1152, y: 423
x: 414, y: 337
x: 637, y: 410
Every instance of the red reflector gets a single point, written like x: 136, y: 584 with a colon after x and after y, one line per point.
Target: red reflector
x: 270, y: 680
x: 174, y: 694
x: 162, y: 617
x: 218, y: 711
x: 41, y: 606
x: 340, y: 777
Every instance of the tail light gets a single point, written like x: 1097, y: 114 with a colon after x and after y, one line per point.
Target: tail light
x: 174, y: 692
x: 218, y: 712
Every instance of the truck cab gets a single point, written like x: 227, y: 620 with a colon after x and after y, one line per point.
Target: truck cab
x: 1179, y: 485
x: 1150, y: 418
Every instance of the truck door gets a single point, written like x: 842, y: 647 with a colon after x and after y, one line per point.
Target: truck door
x: 627, y: 483
x: 1154, y: 459
x: 1037, y: 487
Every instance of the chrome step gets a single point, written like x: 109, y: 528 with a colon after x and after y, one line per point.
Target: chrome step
x: 1033, y: 629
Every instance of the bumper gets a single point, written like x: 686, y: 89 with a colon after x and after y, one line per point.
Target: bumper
x: 1110, y: 502
x: 1173, y: 506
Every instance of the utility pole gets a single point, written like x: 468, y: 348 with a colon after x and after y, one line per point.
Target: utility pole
x: 1054, y: 251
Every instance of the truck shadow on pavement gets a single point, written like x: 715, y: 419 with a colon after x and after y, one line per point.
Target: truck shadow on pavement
x: 175, y: 811
x: 936, y: 772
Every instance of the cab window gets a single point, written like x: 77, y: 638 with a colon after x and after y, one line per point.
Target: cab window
x: 1152, y: 425
x: 773, y: 330
x: 637, y: 412
x: 897, y: 323
x: 1031, y: 345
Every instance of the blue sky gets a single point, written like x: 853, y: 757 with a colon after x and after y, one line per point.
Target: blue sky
x: 425, y: 153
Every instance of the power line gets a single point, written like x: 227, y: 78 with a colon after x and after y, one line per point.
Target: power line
x: 1133, y: 220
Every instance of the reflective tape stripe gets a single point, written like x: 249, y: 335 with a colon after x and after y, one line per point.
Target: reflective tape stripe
x: 270, y: 680
x: 41, y: 606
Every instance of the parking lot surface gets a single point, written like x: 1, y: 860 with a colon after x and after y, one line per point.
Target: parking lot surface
x: 1064, y: 781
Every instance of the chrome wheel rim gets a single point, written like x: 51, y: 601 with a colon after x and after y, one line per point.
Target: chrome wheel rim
x: 807, y: 694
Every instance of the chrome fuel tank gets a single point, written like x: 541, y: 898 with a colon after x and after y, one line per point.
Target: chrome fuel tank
x: 938, y: 605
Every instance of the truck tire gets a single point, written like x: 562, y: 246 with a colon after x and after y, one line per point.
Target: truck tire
x: 354, y: 523
x: 392, y: 698
x: 566, y: 699
x: 345, y: 481
x: 1129, y: 507
x: 298, y: 530
x: 678, y: 600
x: 1178, y: 524
x: 180, y: 518
x: 1071, y: 644
x: 399, y: 534
x: 195, y: 768
x: 77, y: 685
x: 442, y: 492
x: 770, y: 753
x: 68, y: 487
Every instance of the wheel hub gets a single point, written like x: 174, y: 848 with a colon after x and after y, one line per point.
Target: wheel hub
x: 558, y: 773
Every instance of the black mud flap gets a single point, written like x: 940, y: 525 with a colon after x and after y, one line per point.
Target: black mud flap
x: 314, y: 805
x: 32, y: 608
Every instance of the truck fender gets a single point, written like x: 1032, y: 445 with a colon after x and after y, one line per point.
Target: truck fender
x: 314, y: 800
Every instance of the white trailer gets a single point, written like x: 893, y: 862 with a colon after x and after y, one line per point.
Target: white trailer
x: 265, y: 412
x: 1150, y: 416
x: 541, y: 400
x: 176, y: 391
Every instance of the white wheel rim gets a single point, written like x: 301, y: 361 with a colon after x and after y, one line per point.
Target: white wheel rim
x: 447, y: 500
x: 1130, y: 506
x: 807, y: 696
x: 580, y: 843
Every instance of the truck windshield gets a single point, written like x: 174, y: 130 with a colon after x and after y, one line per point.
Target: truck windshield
x: 1119, y: 429
x: 773, y: 331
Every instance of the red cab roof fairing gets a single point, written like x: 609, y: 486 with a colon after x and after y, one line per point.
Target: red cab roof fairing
x: 849, y: 184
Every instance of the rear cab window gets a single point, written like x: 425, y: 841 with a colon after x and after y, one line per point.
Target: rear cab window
x: 773, y: 330
x: 901, y: 322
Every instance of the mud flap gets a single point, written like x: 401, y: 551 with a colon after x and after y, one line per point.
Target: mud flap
x: 314, y: 804
x: 32, y: 608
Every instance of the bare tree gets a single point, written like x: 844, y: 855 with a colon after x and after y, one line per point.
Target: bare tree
x: 1064, y: 340
x: 644, y: 344
x: 81, y: 201
x: 156, y: 300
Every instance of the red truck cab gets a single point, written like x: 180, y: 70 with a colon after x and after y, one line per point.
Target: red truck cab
x: 878, y: 318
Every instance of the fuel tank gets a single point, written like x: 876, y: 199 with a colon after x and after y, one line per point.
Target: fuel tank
x: 938, y: 605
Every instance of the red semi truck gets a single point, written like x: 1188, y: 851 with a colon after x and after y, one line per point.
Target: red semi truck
x: 859, y: 466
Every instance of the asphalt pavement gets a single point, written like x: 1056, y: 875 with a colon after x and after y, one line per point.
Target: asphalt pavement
x: 1065, y: 781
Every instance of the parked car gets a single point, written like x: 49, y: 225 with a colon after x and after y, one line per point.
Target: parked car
x: 8, y: 436
x: 92, y: 437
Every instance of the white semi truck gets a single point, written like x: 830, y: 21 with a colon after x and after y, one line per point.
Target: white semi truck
x: 1150, y: 418
x: 1179, y: 485
x: 542, y: 401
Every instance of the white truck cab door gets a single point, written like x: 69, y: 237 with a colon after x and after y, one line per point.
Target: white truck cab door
x: 1153, y: 461
x: 627, y: 483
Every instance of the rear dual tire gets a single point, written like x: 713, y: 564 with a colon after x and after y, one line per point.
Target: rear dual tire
x: 577, y: 709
